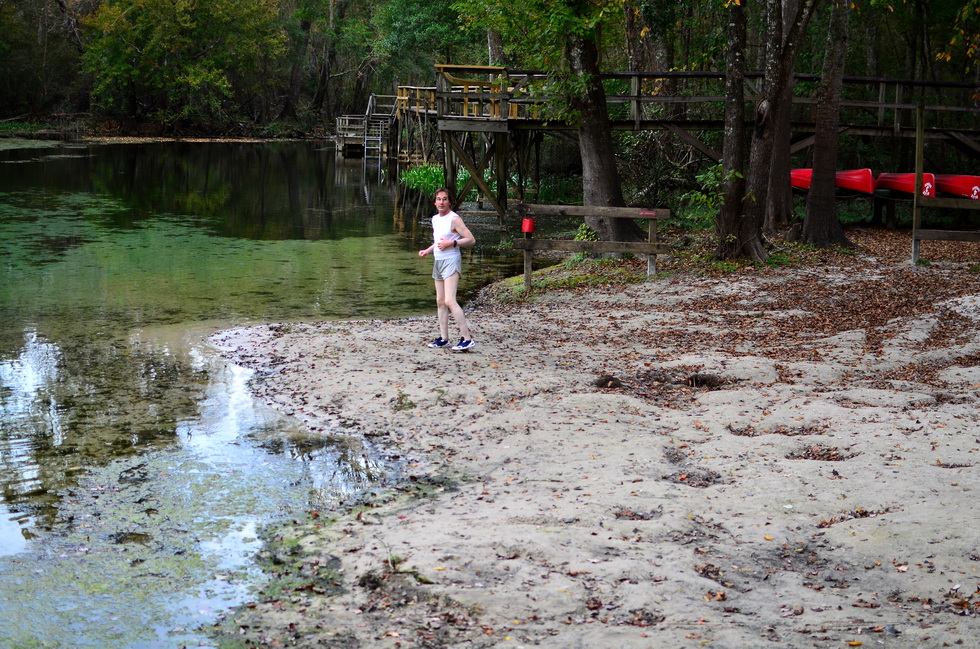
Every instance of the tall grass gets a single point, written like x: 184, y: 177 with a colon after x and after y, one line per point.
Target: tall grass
x: 426, y: 178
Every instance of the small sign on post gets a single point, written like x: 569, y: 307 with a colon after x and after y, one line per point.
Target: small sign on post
x: 527, y: 227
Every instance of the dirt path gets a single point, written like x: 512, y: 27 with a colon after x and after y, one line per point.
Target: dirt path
x: 781, y: 458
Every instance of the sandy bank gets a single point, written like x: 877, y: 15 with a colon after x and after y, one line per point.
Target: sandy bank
x: 782, y: 458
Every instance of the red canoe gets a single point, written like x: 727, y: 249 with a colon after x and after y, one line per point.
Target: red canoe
x: 800, y: 178
x: 859, y: 181
x: 957, y: 185
x: 903, y: 185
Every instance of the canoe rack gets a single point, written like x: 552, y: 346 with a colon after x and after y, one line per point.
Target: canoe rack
x: 919, y: 201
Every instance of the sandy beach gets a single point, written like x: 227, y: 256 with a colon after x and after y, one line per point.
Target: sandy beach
x: 779, y: 457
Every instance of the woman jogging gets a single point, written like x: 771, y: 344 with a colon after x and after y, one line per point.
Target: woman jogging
x: 449, y: 234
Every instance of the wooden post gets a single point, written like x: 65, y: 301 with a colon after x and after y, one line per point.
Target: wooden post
x: 920, y: 148
x: 897, y: 125
x: 528, y: 253
x: 652, y: 238
x: 636, y: 111
x: 502, y: 158
x: 527, y: 266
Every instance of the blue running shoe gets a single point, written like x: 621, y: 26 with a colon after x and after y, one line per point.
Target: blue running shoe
x: 464, y: 345
x: 439, y: 342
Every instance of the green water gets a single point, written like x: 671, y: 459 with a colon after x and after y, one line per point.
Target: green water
x: 136, y: 470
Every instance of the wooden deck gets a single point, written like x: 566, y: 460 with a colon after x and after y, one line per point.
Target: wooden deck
x: 494, y: 99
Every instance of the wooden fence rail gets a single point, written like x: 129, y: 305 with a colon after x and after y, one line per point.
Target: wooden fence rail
x: 920, y: 201
x: 528, y: 212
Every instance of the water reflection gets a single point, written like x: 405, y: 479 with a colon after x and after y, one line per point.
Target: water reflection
x: 136, y: 470
x: 22, y: 380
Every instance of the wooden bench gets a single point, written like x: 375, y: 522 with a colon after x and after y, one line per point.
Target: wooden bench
x: 651, y: 248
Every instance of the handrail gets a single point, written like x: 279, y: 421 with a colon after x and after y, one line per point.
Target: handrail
x: 506, y: 97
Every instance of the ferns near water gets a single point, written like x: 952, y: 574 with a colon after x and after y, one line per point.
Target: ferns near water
x: 426, y: 178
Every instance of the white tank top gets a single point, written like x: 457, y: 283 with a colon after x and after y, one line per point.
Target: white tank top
x: 442, y: 228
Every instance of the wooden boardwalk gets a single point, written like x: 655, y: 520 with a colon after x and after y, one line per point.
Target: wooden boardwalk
x: 490, y: 120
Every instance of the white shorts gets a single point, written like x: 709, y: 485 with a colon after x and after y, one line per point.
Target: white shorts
x: 445, y: 268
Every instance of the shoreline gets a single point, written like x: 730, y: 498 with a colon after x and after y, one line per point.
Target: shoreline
x: 783, y: 456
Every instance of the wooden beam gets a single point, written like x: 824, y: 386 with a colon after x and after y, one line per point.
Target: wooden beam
x: 474, y: 125
x: 695, y: 142
x: 966, y: 142
x: 950, y: 203
x: 476, y: 175
x: 948, y: 235
x: 534, y: 209
x: 569, y: 245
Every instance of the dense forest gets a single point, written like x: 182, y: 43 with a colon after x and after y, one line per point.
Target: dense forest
x: 303, y: 62
x: 290, y: 67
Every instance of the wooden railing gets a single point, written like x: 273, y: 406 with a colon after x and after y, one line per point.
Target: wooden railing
x: 528, y: 212
x: 643, y: 99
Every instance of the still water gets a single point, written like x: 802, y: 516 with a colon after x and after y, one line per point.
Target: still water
x: 136, y: 469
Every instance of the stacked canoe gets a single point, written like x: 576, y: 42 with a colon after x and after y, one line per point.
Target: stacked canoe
x: 862, y: 182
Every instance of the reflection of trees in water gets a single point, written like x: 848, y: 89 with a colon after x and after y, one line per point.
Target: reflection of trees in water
x: 122, y: 237
x: 83, y: 403
x: 261, y: 190
x: 337, y: 466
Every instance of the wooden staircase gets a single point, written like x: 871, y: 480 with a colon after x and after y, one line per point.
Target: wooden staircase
x: 366, y: 136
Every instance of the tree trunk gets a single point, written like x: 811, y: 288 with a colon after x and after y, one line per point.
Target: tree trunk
x: 337, y: 12
x: 495, y: 43
x: 733, y: 156
x: 779, y: 196
x: 633, y: 25
x: 821, y: 227
x: 600, y: 178
x: 649, y: 48
x: 288, y: 111
x: 780, y: 57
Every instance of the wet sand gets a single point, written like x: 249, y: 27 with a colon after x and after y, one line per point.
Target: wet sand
x: 783, y: 457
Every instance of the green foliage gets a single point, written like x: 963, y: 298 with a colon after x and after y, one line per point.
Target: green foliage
x: 423, y: 32
x: 178, y: 59
x: 710, y: 196
x: 21, y: 127
x: 853, y: 212
x: 693, y: 218
x: 584, y: 273
x: 965, y: 42
x: 560, y: 189
x: 537, y: 33
x: 38, y: 59
x: 700, y: 206
x: 426, y: 178
x: 780, y: 259
x: 464, y: 176
x: 585, y: 233
x: 402, y: 403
